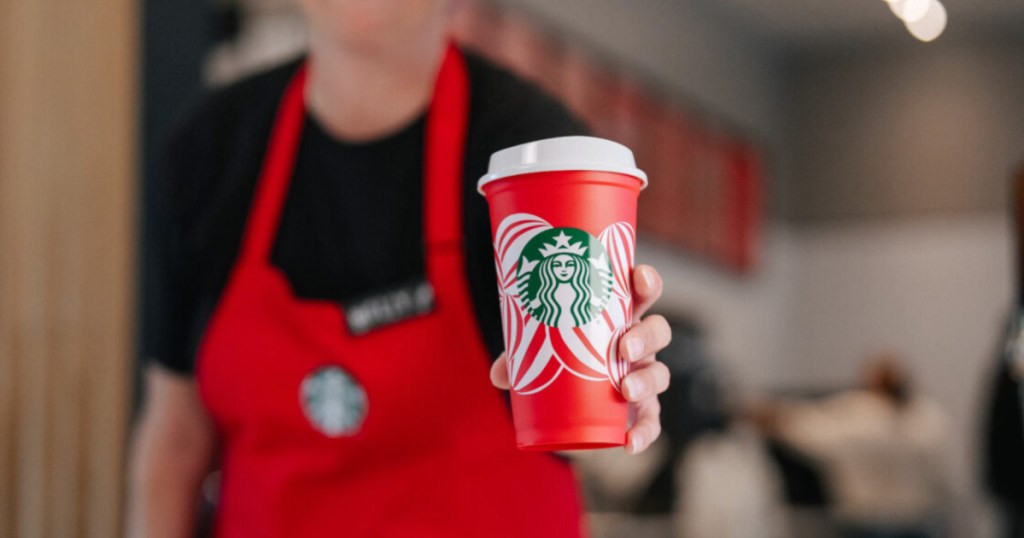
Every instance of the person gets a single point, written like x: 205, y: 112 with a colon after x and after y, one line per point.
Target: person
x: 327, y: 305
x: 879, y: 447
x: 1003, y: 427
x: 1003, y: 430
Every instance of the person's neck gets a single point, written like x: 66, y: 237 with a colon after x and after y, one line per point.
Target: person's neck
x: 361, y: 94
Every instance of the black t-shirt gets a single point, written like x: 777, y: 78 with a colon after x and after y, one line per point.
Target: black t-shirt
x: 353, y: 220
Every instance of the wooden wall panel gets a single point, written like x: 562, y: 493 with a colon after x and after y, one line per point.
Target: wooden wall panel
x: 67, y: 193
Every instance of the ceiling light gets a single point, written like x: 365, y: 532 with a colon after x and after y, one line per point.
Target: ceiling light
x: 911, y: 10
x: 931, y: 25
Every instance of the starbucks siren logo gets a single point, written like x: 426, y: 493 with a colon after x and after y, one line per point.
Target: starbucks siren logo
x: 564, y: 278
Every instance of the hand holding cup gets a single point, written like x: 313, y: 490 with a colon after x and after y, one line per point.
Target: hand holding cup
x: 647, y: 378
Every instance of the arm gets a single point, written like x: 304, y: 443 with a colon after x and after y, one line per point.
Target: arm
x: 172, y: 452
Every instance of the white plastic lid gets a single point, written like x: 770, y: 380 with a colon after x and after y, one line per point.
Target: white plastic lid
x: 562, y: 153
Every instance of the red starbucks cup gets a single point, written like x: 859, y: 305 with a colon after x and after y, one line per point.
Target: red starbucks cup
x: 563, y: 214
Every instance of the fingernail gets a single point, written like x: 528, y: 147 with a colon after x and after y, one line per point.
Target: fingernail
x: 648, y: 277
x: 634, y: 347
x: 636, y: 445
x: 634, y: 387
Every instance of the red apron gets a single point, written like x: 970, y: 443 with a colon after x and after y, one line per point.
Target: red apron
x: 422, y: 446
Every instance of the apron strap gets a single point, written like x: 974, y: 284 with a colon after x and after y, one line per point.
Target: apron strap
x: 445, y: 146
x: 276, y: 174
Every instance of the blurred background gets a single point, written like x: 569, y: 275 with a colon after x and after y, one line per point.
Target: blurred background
x: 831, y: 206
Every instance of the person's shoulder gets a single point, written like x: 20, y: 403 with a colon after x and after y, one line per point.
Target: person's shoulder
x: 216, y: 141
x: 512, y: 110
x: 216, y: 111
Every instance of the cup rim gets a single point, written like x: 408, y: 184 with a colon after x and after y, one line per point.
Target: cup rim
x: 575, y: 153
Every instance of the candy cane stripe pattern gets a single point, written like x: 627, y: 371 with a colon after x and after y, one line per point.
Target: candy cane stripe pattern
x: 566, y: 298
x: 619, y: 240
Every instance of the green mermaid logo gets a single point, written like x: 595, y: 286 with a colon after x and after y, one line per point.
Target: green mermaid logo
x: 564, y: 278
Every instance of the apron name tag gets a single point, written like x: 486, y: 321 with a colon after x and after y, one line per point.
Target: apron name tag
x: 389, y: 307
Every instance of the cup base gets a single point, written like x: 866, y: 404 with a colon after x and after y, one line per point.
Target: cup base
x: 577, y: 438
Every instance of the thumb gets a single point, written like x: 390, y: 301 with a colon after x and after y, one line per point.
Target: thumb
x: 499, y: 373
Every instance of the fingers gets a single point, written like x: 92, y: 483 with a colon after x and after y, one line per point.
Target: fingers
x: 647, y: 288
x: 645, y: 338
x: 647, y: 427
x: 646, y: 382
x: 499, y: 373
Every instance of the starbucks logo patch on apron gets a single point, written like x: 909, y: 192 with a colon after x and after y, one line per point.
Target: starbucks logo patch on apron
x: 333, y: 401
